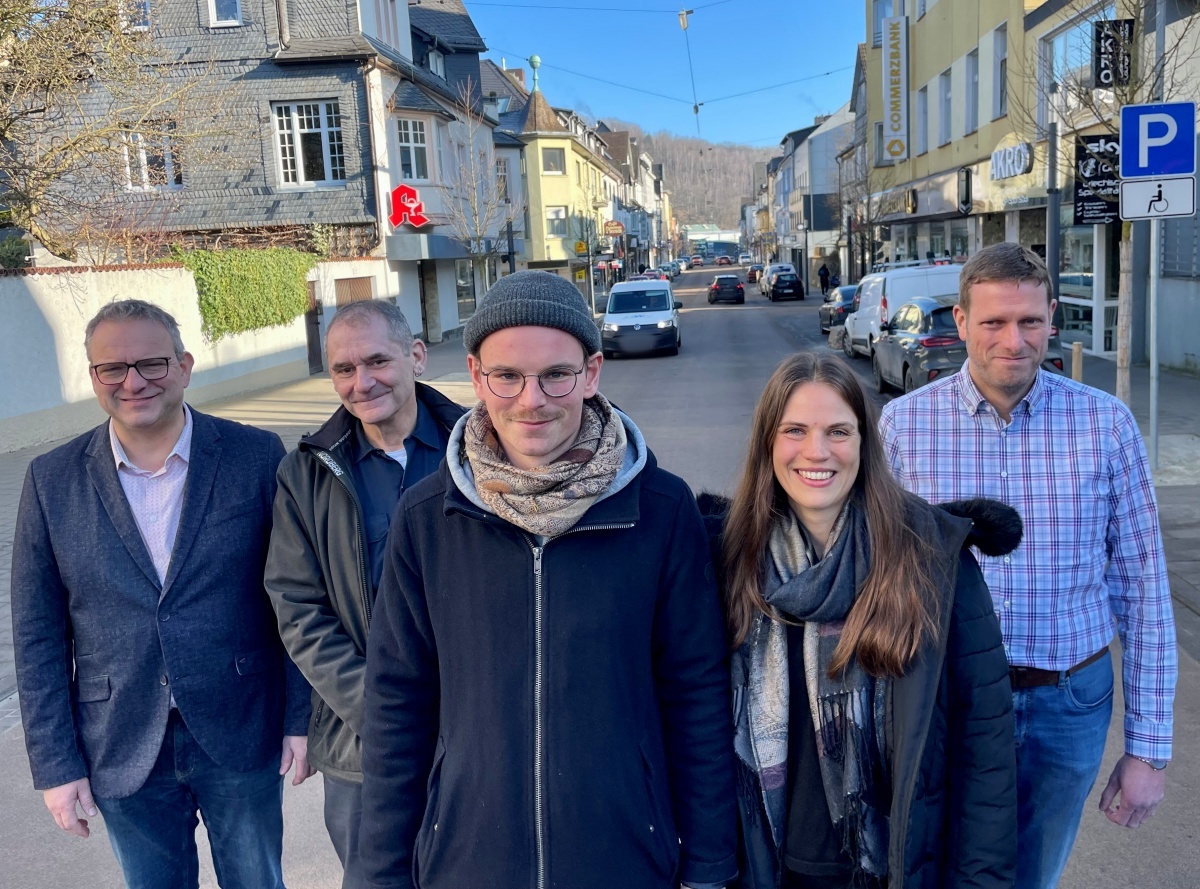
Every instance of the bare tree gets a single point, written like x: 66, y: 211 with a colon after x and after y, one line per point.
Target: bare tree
x: 865, y: 196
x: 1083, y: 102
x: 479, y: 203
x: 92, y: 114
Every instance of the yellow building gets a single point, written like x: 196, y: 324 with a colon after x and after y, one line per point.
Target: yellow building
x: 960, y: 97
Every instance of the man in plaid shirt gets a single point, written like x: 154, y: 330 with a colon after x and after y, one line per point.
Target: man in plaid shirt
x: 1070, y: 459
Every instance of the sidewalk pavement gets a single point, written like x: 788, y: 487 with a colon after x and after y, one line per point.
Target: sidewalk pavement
x: 36, y: 854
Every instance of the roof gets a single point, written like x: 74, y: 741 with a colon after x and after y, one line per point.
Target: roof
x: 449, y: 22
x: 325, y: 49
x: 410, y: 97
x: 538, y: 117
x: 492, y: 79
x: 502, y: 138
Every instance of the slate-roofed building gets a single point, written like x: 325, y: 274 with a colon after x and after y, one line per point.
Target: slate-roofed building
x: 324, y: 107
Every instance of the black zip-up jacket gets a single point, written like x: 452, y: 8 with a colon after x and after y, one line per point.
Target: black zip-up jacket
x: 318, y: 579
x: 548, y: 715
x: 953, y: 821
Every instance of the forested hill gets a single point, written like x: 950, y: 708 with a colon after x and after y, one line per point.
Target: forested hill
x: 707, y: 182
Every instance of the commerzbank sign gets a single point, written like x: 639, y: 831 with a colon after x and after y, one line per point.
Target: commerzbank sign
x: 895, y: 88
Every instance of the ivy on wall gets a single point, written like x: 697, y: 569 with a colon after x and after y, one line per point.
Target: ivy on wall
x: 243, y: 290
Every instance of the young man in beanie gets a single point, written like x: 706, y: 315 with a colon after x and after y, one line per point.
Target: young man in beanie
x: 546, y: 693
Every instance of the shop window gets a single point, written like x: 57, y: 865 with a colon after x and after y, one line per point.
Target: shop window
x: 464, y: 285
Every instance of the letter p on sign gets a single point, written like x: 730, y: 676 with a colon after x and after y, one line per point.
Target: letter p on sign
x: 1146, y: 141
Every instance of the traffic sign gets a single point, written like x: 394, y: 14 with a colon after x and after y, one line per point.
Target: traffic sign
x: 1158, y: 139
x: 1158, y: 198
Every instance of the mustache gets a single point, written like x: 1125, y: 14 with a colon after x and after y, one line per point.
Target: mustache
x: 532, y: 416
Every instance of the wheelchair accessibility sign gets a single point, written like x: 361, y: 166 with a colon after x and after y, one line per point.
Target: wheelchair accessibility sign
x: 1158, y: 198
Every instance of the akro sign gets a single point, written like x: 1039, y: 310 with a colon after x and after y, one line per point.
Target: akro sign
x: 895, y: 88
x: 1015, y: 160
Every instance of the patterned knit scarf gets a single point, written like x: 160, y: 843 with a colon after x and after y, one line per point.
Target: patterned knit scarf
x: 850, y: 712
x: 549, y: 500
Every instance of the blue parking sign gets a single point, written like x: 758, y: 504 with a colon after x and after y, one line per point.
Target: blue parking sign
x: 1158, y: 139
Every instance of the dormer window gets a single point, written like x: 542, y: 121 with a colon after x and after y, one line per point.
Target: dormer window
x: 225, y: 13
x: 437, y: 63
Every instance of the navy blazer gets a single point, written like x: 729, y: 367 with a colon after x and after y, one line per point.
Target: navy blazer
x: 101, y: 645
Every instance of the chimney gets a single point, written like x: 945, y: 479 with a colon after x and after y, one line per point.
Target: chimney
x: 517, y: 74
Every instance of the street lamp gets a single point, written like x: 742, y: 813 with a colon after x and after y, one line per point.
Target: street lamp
x: 802, y: 227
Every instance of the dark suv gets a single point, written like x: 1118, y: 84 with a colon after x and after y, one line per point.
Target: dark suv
x: 726, y: 287
x: 785, y: 285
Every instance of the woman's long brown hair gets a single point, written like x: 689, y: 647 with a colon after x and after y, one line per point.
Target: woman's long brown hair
x: 894, y: 613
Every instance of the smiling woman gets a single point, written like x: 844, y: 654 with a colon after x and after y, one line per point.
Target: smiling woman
x: 847, y: 598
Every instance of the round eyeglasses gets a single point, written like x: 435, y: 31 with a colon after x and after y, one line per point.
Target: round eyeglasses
x: 114, y: 373
x: 557, y: 382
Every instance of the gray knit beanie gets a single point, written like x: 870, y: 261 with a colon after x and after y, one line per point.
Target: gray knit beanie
x: 536, y: 299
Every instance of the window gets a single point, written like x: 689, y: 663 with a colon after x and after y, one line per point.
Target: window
x: 502, y: 179
x: 972, y: 123
x: 414, y: 150
x: 437, y: 63
x: 882, y: 9
x: 579, y: 172
x: 944, y: 107
x: 1065, y: 71
x: 225, y: 13
x: 556, y: 222
x: 309, y: 138
x: 1000, y: 74
x: 464, y: 285
x: 922, y: 120
x: 137, y: 15
x: 881, y: 158
x: 151, y: 160
x: 554, y: 160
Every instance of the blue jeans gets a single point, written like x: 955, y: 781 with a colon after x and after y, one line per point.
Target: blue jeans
x: 1060, y: 731
x: 153, y: 832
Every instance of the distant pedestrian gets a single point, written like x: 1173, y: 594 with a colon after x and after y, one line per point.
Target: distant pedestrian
x: 1071, y: 460
x: 337, y: 493
x: 823, y: 275
x: 152, y: 680
x: 547, y: 699
x: 873, y: 717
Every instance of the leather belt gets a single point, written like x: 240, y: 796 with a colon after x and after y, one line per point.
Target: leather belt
x: 1033, y: 677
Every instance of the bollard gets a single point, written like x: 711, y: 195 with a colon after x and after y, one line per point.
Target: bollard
x: 1077, y: 362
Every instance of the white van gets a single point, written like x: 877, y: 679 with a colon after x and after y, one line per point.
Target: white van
x: 894, y: 287
x: 641, y: 316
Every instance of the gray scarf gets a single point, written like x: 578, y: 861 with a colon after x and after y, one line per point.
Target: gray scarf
x: 850, y: 712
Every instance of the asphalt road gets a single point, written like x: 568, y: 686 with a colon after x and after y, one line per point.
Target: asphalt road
x: 695, y: 411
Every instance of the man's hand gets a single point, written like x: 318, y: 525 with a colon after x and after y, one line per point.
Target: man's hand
x: 295, y: 750
x: 62, y: 802
x: 1140, y: 787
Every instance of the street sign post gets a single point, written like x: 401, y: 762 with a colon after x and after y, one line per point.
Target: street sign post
x: 1158, y: 152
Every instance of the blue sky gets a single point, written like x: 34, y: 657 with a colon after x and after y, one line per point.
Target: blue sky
x: 736, y: 46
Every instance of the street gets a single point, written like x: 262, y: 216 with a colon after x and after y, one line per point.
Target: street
x: 695, y: 411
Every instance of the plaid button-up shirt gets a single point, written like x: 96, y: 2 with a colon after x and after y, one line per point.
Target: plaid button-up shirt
x: 1072, y: 463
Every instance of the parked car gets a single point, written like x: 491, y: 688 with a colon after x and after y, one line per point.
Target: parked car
x: 745, y: 259
x: 724, y: 260
x: 754, y: 272
x: 785, y: 285
x: 832, y: 312
x: 770, y: 270
x: 656, y: 274
x: 726, y: 287
x: 895, y: 287
x: 697, y: 261
x: 920, y: 343
x: 641, y: 317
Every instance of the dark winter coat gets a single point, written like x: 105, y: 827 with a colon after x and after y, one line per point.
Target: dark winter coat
x: 570, y: 697
x: 953, y: 821
x: 318, y: 579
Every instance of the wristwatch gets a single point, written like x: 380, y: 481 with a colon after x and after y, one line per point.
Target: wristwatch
x: 1157, y: 764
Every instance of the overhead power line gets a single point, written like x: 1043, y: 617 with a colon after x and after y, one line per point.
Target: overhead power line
x: 624, y: 86
x: 776, y: 86
x: 579, y: 8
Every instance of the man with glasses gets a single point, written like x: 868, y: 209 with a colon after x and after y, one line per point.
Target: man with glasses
x: 337, y: 493
x: 547, y: 699
x: 152, y: 679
